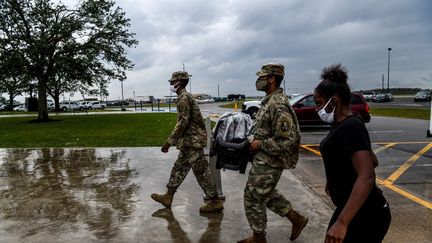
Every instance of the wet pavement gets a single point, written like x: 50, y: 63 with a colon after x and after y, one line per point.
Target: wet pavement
x: 103, y: 195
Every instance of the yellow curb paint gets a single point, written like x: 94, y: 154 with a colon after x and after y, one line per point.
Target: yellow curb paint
x: 385, y: 147
x: 405, y: 193
x: 311, y: 150
x: 408, y: 164
x: 402, y: 142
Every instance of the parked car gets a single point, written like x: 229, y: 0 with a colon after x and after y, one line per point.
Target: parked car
x: 82, y: 105
x: 381, y: 97
x: 19, y: 108
x: 390, y: 96
x: 95, y: 105
x: 69, y: 105
x: 119, y: 103
x: 305, y: 108
x: 369, y: 96
x: 423, y: 95
x: 8, y: 107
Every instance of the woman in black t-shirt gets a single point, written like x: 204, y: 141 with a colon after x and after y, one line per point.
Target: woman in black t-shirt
x: 362, y: 214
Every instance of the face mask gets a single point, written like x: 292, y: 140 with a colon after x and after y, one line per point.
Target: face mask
x: 261, y: 84
x: 173, y: 88
x: 326, y: 117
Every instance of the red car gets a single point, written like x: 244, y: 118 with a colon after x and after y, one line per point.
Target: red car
x: 305, y: 109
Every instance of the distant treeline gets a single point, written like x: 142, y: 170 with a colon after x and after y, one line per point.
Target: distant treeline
x: 395, y: 91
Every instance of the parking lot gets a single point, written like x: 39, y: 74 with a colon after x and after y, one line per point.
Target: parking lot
x: 404, y: 173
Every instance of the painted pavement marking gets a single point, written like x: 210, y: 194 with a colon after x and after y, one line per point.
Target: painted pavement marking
x: 387, y: 183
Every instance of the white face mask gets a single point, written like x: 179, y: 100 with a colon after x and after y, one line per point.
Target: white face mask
x: 326, y: 117
x: 173, y: 88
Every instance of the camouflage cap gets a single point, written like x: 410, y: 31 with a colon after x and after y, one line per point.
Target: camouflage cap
x: 271, y: 69
x: 179, y: 75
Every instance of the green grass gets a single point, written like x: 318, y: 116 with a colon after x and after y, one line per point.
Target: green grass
x: 112, y: 130
x: 423, y: 114
x: 231, y: 105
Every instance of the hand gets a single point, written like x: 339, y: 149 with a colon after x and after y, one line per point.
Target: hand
x: 255, y: 146
x: 336, y: 233
x: 165, y: 147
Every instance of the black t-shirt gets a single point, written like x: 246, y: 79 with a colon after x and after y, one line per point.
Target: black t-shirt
x: 343, y: 140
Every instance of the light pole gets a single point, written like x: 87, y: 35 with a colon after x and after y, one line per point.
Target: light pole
x: 388, y: 71
x: 122, y: 101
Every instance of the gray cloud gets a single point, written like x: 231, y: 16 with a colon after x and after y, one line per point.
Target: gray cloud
x: 224, y: 42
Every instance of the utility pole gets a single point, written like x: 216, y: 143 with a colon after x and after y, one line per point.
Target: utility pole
x: 218, y: 92
x: 382, y: 82
x: 388, y: 71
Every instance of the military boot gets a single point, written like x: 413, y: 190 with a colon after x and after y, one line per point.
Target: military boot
x: 298, y: 223
x: 165, y: 199
x: 255, y: 238
x: 213, y: 206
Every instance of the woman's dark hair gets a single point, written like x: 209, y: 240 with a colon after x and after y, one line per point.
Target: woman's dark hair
x: 334, y: 82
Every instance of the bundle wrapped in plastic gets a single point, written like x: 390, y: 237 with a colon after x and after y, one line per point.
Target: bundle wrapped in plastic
x: 230, y: 141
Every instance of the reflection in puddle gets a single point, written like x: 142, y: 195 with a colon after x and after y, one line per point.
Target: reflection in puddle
x: 178, y: 235
x: 64, y: 190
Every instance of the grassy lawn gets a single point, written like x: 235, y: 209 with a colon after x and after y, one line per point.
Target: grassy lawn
x: 401, y: 112
x: 231, y: 105
x: 113, y: 130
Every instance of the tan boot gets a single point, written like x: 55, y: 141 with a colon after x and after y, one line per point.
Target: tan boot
x: 298, y: 223
x: 213, y: 206
x: 165, y: 199
x: 255, y: 238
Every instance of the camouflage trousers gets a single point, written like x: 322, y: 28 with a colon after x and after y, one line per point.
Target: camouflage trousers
x: 195, y: 159
x: 261, y: 193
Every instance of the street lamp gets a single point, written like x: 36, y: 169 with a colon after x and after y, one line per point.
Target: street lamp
x: 388, y: 71
x: 122, y: 101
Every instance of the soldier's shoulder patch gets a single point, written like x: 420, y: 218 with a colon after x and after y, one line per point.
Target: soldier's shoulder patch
x: 284, y: 125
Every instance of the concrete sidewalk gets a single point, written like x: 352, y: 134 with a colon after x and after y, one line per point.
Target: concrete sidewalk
x: 103, y: 195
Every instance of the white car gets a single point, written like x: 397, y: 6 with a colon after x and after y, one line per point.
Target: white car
x: 82, y: 105
x: 69, y: 105
x: 19, y: 108
x: 95, y: 105
x: 251, y: 107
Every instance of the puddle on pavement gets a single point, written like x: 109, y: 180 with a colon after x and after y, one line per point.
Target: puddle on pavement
x: 67, y: 191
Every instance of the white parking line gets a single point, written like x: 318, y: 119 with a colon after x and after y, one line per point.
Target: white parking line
x: 397, y: 131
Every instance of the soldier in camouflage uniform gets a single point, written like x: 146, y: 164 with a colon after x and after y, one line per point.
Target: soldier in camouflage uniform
x: 190, y: 137
x: 276, y: 145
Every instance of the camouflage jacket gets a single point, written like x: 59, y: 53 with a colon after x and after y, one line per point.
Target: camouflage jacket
x: 190, y: 131
x: 277, y: 127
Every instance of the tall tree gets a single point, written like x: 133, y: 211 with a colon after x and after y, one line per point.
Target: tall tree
x: 12, y: 75
x: 84, y: 44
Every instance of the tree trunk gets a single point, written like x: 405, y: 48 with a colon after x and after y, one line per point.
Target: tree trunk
x: 57, y: 102
x: 42, y: 102
x: 11, y: 97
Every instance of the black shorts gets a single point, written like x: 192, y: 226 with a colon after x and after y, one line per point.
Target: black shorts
x: 370, y: 224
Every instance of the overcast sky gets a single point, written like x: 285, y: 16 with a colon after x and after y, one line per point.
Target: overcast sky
x: 225, y: 42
